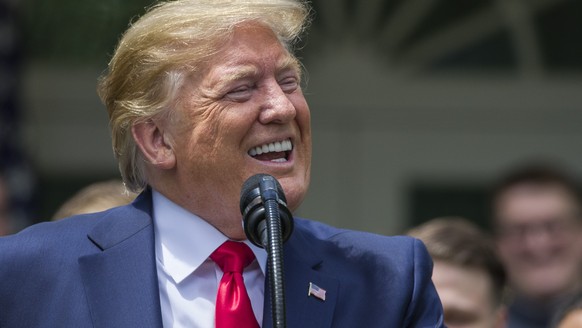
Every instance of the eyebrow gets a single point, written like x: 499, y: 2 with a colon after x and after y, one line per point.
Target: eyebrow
x: 242, y: 72
x: 289, y: 63
x: 236, y: 73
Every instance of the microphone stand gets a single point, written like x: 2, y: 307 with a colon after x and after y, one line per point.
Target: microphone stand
x: 273, y: 244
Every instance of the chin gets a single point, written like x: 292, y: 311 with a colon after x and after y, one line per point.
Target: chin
x: 294, y: 203
x: 546, y: 288
x: 294, y: 192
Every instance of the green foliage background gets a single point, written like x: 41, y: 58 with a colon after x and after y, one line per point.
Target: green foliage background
x: 76, y: 32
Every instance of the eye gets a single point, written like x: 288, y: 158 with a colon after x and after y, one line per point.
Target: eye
x: 289, y: 84
x: 240, y: 94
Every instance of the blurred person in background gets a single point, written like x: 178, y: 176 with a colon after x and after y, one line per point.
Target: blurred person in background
x: 17, y: 171
x: 569, y: 315
x: 5, y: 221
x: 467, y: 274
x: 96, y: 197
x: 538, y: 224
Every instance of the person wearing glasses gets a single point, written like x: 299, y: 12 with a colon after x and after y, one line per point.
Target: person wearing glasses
x: 538, y: 225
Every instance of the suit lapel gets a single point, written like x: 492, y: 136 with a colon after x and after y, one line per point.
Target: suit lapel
x: 121, y: 281
x: 301, y: 268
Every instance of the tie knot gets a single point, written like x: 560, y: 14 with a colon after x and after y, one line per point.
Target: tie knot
x: 232, y: 256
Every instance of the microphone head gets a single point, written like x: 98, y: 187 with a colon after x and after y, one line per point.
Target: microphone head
x: 250, y: 190
x: 252, y: 207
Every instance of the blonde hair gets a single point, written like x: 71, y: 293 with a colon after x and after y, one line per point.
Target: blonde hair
x: 96, y: 197
x: 172, y: 40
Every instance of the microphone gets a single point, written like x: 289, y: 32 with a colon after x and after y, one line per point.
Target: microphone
x: 267, y: 223
x: 258, y: 191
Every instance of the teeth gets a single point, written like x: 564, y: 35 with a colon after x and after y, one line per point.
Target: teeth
x: 278, y: 146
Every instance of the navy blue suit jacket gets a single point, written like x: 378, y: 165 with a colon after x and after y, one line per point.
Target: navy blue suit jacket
x: 99, y: 270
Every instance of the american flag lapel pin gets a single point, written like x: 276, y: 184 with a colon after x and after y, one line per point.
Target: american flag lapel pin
x: 316, y: 291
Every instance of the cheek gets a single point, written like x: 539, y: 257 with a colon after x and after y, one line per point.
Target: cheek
x: 204, y: 128
x: 295, y: 189
x: 303, y: 112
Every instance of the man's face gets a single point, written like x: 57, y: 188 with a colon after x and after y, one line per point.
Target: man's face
x: 467, y: 296
x: 539, y: 239
x: 244, y: 115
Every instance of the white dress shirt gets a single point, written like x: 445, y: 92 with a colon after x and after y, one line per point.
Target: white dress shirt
x: 187, y: 278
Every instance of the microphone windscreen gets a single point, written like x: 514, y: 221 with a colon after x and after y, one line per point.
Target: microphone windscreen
x: 250, y: 190
x: 251, y: 183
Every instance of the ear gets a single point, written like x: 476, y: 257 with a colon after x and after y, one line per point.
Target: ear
x: 154, y: 144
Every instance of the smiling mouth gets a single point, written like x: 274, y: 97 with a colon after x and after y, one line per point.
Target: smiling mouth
x: 277, y: 152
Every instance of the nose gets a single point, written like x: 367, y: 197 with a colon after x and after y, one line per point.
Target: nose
x: 277, y: 106
x: 539, y: 241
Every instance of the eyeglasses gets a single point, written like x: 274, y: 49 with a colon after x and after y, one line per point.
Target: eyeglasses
x: 551, y: 227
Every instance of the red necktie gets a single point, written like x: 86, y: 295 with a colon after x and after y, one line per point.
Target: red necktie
x: 233, y: 306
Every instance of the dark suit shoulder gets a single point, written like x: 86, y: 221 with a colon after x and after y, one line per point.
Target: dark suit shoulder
x: 52, y: 249
x: 392, y: 273
x: 72, y: 236
x: 45, y: 237
x: 46, y: 266
x: 353, y: 243
x: 367, y: 255
x: 38, y: 266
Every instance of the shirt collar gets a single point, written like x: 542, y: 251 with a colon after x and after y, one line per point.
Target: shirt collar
x: 184, y: 240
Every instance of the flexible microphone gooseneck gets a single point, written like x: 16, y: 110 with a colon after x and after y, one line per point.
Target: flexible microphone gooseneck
x: 267, y: 223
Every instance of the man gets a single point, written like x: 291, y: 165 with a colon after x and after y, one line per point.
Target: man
x: 467, y: 274
x: 539, y: 237
x: 202, y: 95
